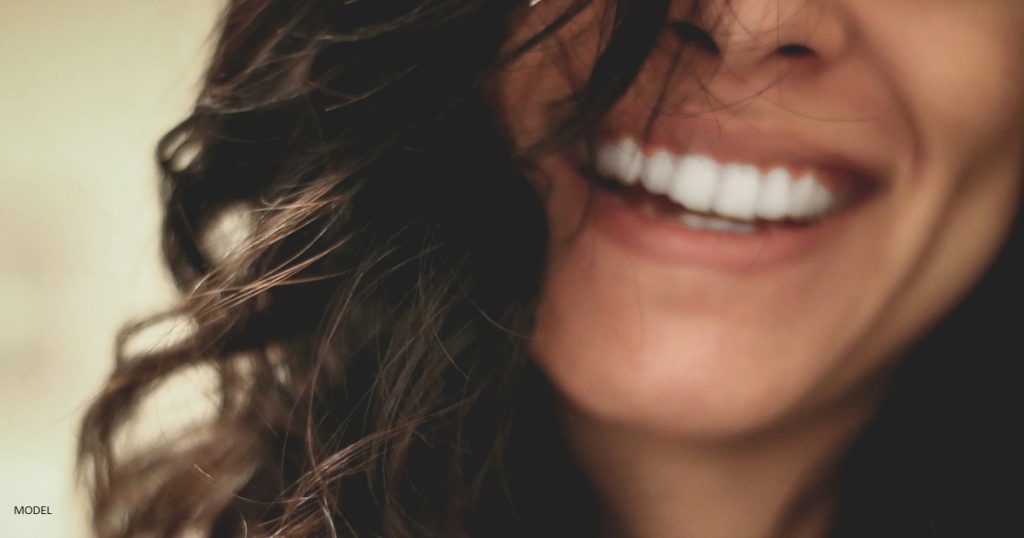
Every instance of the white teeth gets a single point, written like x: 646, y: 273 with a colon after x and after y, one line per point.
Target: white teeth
x: 809, y: 199
x: 737, y: 195
x: 623, y: 161
x: 699, y: 183
x: 658, y: 171
x: 822, y: 200
x: 695, y: 183
x: 773, y: 200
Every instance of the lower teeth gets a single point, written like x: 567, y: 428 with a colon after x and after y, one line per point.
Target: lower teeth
x: 699, y: 221
x: 702, y: 222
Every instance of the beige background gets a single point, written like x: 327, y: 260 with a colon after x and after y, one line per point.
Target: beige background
x: 86, y: 87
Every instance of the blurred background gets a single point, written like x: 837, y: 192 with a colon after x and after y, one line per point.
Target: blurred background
x: 86, y: 88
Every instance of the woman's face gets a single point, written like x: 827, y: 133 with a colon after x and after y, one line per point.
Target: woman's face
x: 893, y: 134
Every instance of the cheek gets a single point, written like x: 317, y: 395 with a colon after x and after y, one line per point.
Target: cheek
x: 964, y: 93
x: 964, y: 97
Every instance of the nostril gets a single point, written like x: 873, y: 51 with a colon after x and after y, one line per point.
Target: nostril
x: 794, y: 50
x: 695, y: 35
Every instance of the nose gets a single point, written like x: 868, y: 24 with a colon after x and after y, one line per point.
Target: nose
x: 756, y: 40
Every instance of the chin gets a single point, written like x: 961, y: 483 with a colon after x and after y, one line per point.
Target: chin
x: 698, y: 377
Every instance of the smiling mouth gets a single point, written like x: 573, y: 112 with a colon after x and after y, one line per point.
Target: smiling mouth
x: 700, y: 192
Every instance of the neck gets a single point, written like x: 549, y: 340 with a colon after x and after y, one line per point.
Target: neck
x: 777, y: 483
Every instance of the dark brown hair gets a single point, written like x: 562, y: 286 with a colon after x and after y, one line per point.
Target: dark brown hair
x: 368, y: 333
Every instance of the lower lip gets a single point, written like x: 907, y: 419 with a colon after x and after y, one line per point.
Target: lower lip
x: 663, y: 240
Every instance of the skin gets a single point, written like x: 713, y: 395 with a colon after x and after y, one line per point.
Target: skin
x: 748, y: 382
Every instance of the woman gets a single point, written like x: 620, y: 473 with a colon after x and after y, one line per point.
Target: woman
x: 609, y: 268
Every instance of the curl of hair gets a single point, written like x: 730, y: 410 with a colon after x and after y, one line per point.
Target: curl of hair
x: 367, y: 333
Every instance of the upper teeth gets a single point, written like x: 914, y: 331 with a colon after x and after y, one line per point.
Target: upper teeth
x: 700, y: 183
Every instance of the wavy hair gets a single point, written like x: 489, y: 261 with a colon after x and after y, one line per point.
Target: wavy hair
x: 368, y: 332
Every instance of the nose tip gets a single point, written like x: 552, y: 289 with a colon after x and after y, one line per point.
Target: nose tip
x: 744, y: 35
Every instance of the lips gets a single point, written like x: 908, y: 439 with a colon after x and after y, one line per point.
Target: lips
x: 700, y: 183
x: 723, y: 205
